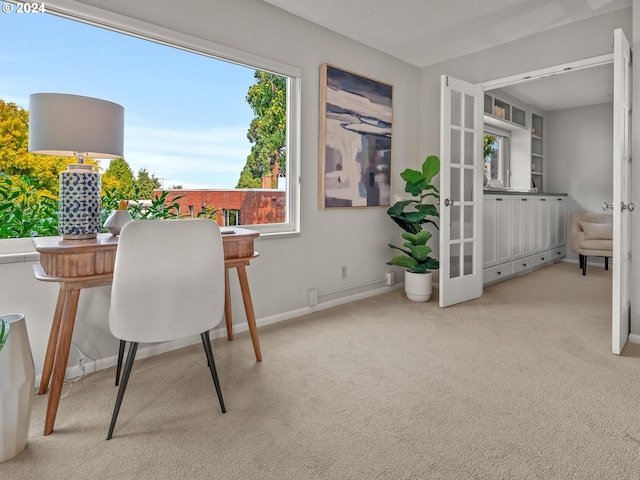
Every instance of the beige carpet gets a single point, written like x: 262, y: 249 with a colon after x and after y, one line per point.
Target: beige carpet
x: 518, y: 384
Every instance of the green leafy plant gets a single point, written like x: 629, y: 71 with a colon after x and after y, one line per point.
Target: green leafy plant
x: 4, y: 332
x: 159, y: 208
x: 24, y: 212
x: 412, y: 214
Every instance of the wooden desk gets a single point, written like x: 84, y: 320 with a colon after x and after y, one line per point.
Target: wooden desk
x: 78, y: 264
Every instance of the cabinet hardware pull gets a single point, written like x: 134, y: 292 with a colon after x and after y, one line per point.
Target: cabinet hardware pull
x: 524, y: 264
x: 524, y: 199
x: 499, y: 273
x: 543, y: 199
x: 542, y: 258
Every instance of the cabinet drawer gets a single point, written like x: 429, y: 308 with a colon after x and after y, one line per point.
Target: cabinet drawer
x: 522, y: 264
x: 558, y: 253
x: 498, y: 272
x: 542, y: 258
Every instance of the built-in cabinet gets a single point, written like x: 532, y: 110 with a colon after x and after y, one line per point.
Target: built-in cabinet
x: 503, y: 109
x: 536, y: 152
x: 521, y: 233
x: 525, y: 127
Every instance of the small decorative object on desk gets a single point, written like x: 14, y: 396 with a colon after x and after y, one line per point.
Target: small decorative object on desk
x: 118, y: 218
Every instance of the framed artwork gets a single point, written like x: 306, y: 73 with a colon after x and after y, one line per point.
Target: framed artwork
x: 356, y: 116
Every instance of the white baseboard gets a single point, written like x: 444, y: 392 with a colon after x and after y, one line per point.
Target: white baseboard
x: 74, y: 372
x: 634, y: 338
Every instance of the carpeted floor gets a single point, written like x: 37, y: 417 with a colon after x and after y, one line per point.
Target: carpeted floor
x: 520, y: 384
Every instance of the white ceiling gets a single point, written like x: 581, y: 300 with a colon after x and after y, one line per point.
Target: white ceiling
x: 424, y: 32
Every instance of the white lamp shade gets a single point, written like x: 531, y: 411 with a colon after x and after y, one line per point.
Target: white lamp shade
x: 63, y: 125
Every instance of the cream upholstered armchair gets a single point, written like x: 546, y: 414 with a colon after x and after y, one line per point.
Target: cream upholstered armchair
x: 591, y: 234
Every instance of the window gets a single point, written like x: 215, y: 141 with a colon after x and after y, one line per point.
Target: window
x: 496, y: 158
x: 232, y: 218
x: 176, y: 149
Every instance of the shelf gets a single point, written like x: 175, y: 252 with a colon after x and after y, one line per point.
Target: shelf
x: 537, y: 137
x: 536, y: 155
x: 536, y: 173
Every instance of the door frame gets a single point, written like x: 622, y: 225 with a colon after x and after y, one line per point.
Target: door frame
x: 559, y: 69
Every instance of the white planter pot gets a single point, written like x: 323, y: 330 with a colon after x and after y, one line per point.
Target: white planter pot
x: 17, y: 376
x: 417, y: 286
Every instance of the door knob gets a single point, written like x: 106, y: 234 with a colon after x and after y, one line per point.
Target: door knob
x: 607, y: 206
x: 448, y: 203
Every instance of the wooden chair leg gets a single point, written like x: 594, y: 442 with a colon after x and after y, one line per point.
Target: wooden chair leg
x: 206, y: 342
x: 584, y: 265
x: 133, y: 348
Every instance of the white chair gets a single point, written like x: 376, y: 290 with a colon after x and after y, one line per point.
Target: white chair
x: 168, y: 284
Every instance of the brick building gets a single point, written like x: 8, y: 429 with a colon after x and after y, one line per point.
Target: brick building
x: 234, y: 207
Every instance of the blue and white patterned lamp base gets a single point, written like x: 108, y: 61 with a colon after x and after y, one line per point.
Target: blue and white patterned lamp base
x: 80, y: 202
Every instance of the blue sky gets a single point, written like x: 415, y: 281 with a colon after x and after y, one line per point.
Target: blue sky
x: 186, y: 116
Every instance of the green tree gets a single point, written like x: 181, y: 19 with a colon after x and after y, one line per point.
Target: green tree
x: 146, y: 183
x: 120, y: 176
x: 15, y: 159
x: 267, y: 132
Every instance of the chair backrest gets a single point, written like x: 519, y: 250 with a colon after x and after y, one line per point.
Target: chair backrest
x: 168, y: 280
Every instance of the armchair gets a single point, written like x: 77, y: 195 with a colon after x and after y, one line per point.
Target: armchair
x: 591, y: 234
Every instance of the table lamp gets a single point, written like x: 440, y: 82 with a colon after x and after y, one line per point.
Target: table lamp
x: 83, y: 127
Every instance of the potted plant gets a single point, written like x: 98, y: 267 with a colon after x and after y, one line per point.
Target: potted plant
x: 411, y: 215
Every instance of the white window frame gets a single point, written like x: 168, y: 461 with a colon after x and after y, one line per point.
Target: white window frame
x: 98, y: 17
x: 504, y: 158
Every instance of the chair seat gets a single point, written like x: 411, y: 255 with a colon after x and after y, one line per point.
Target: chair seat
x: 604, y: 245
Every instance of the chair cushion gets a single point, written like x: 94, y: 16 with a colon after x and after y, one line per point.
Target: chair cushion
x: 597, y: 231
x: 596, y: 245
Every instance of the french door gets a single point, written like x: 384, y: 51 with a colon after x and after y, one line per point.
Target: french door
x: 622, y: 206
x: 461, y: 194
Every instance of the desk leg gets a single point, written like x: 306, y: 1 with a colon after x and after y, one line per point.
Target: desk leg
x: 227, y: 305
x: 51, y: 346
x: 61, y: 357
x: 248, y: 307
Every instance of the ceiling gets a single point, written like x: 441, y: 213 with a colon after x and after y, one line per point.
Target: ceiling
x: 425, y: 32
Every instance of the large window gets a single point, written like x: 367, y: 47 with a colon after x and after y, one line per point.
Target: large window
x: 190, y: 124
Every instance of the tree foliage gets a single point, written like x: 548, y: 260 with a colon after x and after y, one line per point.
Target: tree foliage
x: 146, y: 183
x: 120, y: 173
x: 267, y: 132
x: 15, y: 159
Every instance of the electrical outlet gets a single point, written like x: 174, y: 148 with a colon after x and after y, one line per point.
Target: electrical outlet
x: 343, y: 272
x: 313, y: 297
x: 391, y: 278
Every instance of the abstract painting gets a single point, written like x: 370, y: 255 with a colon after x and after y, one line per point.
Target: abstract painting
x: 356, y: 116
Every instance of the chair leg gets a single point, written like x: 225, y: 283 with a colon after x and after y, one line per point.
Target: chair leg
x: 120, y: 357
x: 584, y: 265
x: 606, y: 263
x: 133, y: 348
x: 206, y: 341
x: 581, y: 260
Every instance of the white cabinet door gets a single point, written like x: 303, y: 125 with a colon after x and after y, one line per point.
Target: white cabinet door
x: 490, y: 230
x: 561, y: 224
x: 536, y: 230
x: 527, y: 225
x: 544, y: 224
x: 516, y: 227
x: 503, y: 204
x: 553, y: 222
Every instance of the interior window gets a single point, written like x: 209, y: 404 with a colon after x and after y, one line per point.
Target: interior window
x: 496, y: 159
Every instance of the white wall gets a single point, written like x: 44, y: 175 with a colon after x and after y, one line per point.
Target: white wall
x: 578, y: 158
x: 288, y: 266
